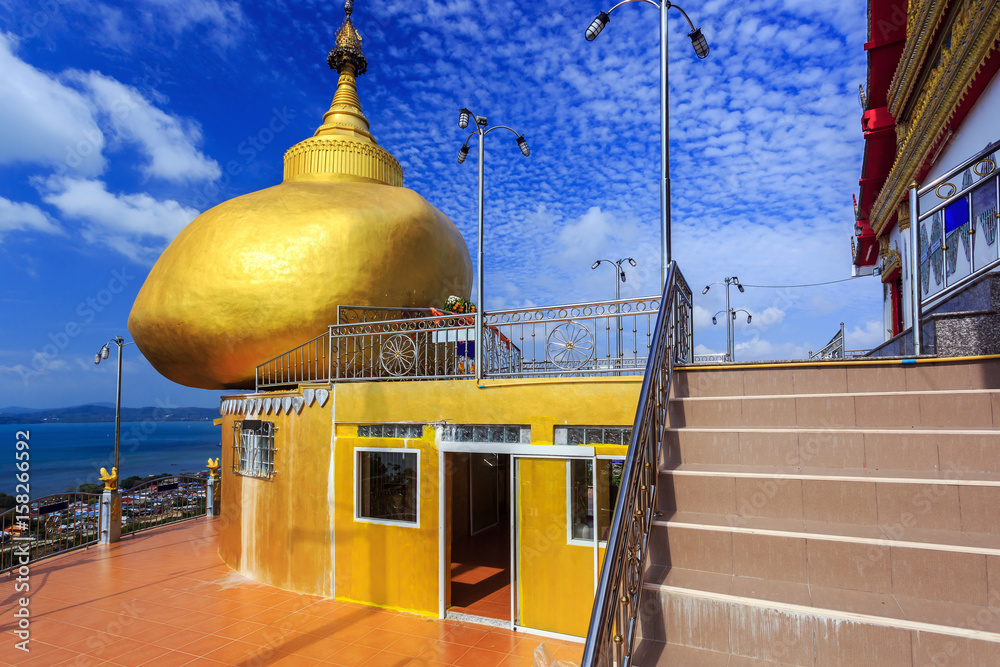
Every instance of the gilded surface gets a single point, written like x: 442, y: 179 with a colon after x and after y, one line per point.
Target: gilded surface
x: 262, y: 273
x: 923, y: 19
x: 975, y: 32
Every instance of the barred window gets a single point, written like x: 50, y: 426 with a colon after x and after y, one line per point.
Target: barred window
x: 387, y: 485
x: 592, y: 435
x: 590, y: 506
x: 391, y: 431
x: 253, y: 448
x: 498, y: 433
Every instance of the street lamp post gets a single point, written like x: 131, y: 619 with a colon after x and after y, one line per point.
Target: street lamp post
x: 619, y: 279
x: 730, y: 314
x: 103, y: 354
x: 480, y: 129
x: 701, y: 50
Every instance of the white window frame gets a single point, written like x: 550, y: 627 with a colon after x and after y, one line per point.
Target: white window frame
x: 251, y: 441
x: 357, y: 487
x: 569, y: 501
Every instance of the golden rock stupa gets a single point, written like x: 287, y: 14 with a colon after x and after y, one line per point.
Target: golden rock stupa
x: 262, y: 273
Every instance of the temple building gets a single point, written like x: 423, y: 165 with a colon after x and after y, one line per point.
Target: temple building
x: 570, y: 470
x: 931, y: 105
x: 343, y: 483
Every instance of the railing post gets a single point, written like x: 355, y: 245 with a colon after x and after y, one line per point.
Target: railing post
x: 210, y: 496
x: 915, y: 266
x: 111, y: 516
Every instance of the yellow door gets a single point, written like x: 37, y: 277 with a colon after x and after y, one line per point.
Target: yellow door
x: 555, y: 564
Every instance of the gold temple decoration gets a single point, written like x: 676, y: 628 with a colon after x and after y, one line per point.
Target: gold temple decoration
x: 903, y: 216
x: 974, y: 35
x: 923, y: 20
x: 110, y: 479
x: 213, y: 467
x: 343, y: 148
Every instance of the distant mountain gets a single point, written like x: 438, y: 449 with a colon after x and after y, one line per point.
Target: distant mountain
x: 103, y: 412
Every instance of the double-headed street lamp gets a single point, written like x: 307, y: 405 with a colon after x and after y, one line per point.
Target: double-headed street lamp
x: 701, y: 49
x: 731, y: 315
x: 619, y: 279
x: 730, y: 328
x: 103, y: 354
x: 480, y: 129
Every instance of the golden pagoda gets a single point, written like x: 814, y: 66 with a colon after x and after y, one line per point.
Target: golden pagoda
x: 264, y: 272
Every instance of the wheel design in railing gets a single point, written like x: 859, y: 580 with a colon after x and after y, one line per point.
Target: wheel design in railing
x: 399, y: 355
x: 570, y: 345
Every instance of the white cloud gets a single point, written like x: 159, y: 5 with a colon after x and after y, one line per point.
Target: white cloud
x: 865, y: 337
x: 136, y: 225
x: 757, y: 348
x: 43, y: 121
x: 19, y: 216
x: 224, y: 20
x: 168, y: 141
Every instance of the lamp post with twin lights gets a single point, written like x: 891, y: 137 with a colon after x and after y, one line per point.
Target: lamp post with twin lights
x: 619, y: 279
x: 480, y: 129
x: 730, y: 313
x: 701, y: 50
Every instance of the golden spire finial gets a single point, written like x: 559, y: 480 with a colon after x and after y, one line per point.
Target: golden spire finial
x: 343, y: 148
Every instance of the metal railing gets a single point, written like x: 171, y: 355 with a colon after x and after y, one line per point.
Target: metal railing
x: 834, y: 349
x: 594, y: 338
x: 54, y: 525
x: 162, y: 501
x: 719, y: 358
x: 958, y: 217
x: 615, y: 617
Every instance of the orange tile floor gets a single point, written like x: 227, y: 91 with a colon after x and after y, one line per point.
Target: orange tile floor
x: 165, y: 598
x: 480, y: 573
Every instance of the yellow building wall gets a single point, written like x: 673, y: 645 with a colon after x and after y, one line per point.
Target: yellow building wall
x: 277, y: 531
x: 392, y: 566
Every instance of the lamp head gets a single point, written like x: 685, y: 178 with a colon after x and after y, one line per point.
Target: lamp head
x: 104, y: 352
x: 523, y: 145
x: 714, y: 321
x: 97, y: 358
x: 463, y: 118
x: 596, y: 264
x: 707, y: 287
x: 623, y: 276
x: 740, y: 288
x: 597, y: 26
x: 748, y: 318
x: 463, y: 153
x: 699, y: 43
x: 631, y: 261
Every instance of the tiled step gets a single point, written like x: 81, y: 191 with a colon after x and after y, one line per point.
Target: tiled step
x: 797, y: 624
x: 973, y: 408
x: 962, y: 449
x: 933, y: 565
x: 918, y: 501
x: 858, y: 378
x: 651, y: 653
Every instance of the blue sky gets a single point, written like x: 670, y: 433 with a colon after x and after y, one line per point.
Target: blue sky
x: 121, y: 122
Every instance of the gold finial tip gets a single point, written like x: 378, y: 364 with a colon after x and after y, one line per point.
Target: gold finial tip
x: 348, y: 7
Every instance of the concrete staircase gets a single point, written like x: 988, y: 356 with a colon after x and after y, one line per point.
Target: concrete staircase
x: 834, y: 515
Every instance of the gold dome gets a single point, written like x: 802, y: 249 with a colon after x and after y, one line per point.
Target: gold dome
x: 264, y: 272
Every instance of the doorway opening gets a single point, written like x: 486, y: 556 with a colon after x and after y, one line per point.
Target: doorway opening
x: 480, y: 534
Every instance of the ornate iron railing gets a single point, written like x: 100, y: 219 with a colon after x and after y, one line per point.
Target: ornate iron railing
x: 54, y: 525
x: 162, y: 501
x: 614, y: 620
x: 309, y: 362
x: 958, y: 217
x: 596, y: 338
x: 834, y: 349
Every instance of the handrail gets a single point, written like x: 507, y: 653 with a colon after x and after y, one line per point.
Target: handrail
x: 54, y: 525
x: 613, y: 622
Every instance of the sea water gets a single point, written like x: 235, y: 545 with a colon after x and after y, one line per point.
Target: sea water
x: 63, y: 456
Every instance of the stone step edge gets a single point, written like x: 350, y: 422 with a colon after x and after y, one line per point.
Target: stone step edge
x: 830, y: 537
x: 881, y: 430
x: 806, y: 610
x: 844, y: 394
x: 872, y: 479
